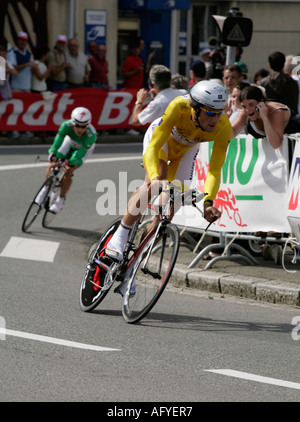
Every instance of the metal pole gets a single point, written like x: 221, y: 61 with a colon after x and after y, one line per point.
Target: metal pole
x: 230, y: 55
x: 70, y: 19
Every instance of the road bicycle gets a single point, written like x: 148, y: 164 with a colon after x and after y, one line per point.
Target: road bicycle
x: 148, y: 259
x: 53, y: 185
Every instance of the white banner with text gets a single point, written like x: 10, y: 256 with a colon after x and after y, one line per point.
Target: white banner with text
x: 253, y: 191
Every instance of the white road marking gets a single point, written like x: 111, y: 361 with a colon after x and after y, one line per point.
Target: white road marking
x: 53, y: 340
x: 257, y: 378
x: 88, y: 161
x: 35, y: 250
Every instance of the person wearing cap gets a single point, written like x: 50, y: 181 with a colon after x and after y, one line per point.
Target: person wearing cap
x: 205, y: 57
x: 244, y: 68
x: 22, y: 60
x: 170, y: 148
x: 197, y: 72
x: 58, y: 62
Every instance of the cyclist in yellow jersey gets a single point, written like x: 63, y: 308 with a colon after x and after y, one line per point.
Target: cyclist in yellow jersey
x: 171, y: 145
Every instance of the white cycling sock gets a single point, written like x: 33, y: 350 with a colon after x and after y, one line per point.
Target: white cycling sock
x: 115, y: 246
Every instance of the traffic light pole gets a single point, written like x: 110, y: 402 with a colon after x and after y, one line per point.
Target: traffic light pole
x: 230, y: 55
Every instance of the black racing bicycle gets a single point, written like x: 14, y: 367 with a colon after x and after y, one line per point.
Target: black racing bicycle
x: 45, y: 197
x: 148, y: 260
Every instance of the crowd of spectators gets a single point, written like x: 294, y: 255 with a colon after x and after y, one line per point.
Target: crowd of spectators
x: 67, y: 67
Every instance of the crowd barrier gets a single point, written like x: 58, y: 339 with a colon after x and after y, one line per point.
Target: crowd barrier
x: 259, y: 192
x: 45, y: 112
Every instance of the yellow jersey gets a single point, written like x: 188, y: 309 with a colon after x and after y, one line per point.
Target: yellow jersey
x: 176, y: 127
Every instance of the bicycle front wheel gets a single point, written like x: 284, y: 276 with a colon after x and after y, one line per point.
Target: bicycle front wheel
x: 152, y: 270
x: 35, y: 208
x: 91, y: 293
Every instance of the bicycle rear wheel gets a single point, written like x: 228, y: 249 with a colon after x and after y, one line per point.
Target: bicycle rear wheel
x: 91, y: 293
x: 149, y: 278
x: 34, y: 208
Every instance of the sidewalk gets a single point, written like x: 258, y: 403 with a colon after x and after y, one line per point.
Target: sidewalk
x: 264, y: 281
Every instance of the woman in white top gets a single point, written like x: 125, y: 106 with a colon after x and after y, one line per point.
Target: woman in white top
x: 41, y: 72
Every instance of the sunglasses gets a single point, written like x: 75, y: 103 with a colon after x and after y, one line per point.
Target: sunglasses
x: 81, y: 127
x: 212, y: 113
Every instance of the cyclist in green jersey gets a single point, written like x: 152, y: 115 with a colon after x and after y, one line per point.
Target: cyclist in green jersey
x: 74, y: 142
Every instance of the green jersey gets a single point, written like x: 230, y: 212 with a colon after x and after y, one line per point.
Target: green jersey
x: 68, y: 145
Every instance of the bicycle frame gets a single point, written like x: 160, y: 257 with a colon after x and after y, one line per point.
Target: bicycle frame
x: 163, y: 211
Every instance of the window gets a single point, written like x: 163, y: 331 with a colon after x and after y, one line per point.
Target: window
x: 203, y: 26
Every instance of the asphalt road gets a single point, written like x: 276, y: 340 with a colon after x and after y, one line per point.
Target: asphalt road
x: 191, y: 348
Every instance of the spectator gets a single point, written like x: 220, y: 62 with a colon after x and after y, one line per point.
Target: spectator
x: 289, y: 66
x: 41, y: 72
x: 232, y: 75
x: 197, y: 72
x: 146, y: 60
x: 244, y: 69
x: 179, y: 82
x: 133, y: 67
x: 58, y: 62
x: 78, y: 74
x: 5, y: 88
x: 160, y: 83
x: 234, y: 107
x: 92, y: 47
x: 99, y: 68
x: 259, y: 75
x: 205, y: 57
x: 278, y: 85
x: 22, y: 59
x: 264, y: 118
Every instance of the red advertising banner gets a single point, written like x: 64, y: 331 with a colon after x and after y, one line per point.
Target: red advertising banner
x: 35, y: 112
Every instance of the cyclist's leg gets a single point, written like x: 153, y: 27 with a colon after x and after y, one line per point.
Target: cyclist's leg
x: 138, y: 201
x: 65, y: 151
x: 137, y: 204
x: 67, y: 181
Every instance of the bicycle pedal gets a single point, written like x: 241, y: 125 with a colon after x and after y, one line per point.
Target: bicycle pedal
x: 105, y: 262
x: 118, y: 288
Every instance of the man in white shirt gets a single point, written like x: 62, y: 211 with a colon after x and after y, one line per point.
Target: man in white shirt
x: 77, y: 75
x: 161, y: 92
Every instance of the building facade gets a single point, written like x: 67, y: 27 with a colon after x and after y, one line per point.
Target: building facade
x: 176, y: 29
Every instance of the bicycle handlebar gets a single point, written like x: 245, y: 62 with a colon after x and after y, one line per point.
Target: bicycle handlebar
x: 189, y: 197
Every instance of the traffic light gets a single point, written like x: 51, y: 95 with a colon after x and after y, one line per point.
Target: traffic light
x: 236, y: 31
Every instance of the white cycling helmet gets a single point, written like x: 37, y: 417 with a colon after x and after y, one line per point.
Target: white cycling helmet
x: 81, y: 116
x: 210, y: 94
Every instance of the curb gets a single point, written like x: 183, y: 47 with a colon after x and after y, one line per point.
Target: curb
x: 262, y: 290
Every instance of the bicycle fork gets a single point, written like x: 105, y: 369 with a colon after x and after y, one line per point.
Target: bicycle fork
x: 144, y: 268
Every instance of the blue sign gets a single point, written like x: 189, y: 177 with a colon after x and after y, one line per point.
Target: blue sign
x: 95, y: 26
